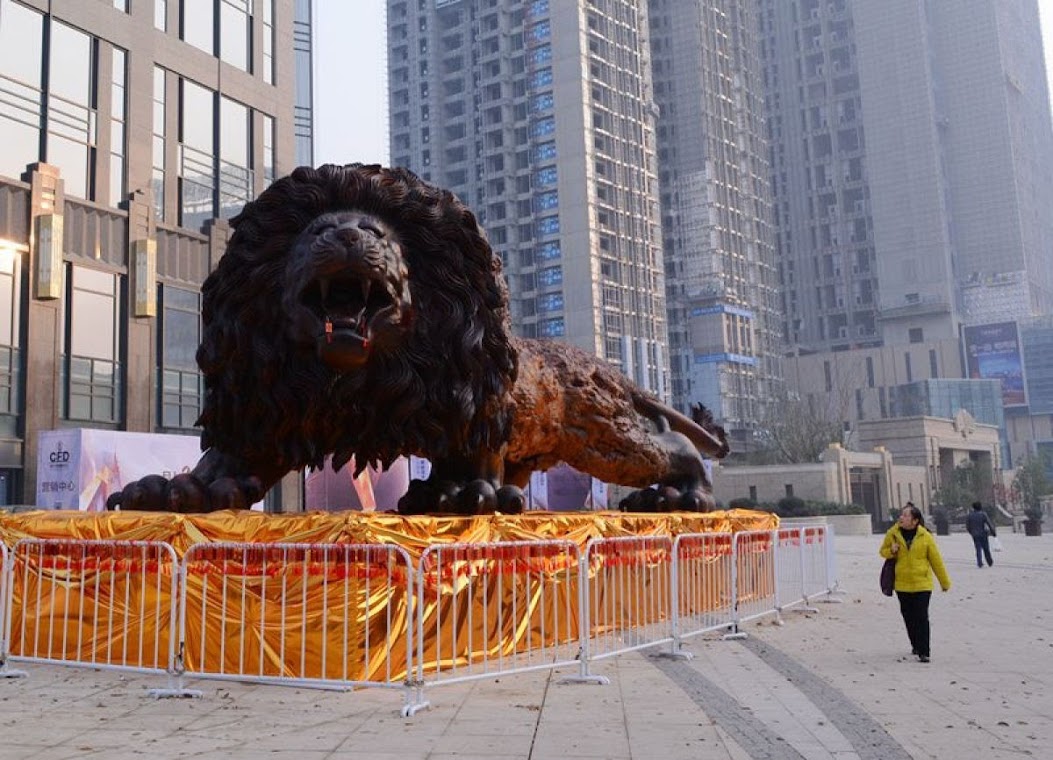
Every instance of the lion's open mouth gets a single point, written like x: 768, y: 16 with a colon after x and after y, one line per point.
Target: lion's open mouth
x: 347, y: 306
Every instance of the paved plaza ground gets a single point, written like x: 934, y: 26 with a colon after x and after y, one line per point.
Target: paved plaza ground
x: 834, y: 684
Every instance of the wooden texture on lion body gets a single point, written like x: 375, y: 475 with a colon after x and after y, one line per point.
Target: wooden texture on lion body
x: 568, y: 406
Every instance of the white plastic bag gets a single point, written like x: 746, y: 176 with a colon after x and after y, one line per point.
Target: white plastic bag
x: 996, y: 543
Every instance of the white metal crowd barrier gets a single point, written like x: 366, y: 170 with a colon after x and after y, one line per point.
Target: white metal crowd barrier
x: 494, y: 608
x: 5, y: 613
x: 753, y: 575
x: 704, y: 576
x: 629, y: 598
x: 814, y: 562
x: 331, y: 616
x: 98, y: 604
x: 346, y: 615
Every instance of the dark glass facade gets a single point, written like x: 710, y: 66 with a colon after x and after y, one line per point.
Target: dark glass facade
x: 131, y: 132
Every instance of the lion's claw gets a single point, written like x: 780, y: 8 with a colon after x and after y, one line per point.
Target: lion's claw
x: 667, y: 499
x: 186, y: 493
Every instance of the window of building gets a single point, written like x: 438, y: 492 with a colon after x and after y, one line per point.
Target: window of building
x: 546, y: 176
x: 182, y: 387
x: 268, y: 150
x: 541, y: 54
x: 547, y: 201
x: 10, y: 309
x: 21, y: 79
x: 303, y: 115
x: 753, y: 494
x: 915, y: 335
x: 788, y: 487
x: 551, y: 328
x: 160, y: 115
x: 71, y: 115
x: 828, y: 380
x: 550, y: 302
x: 541, y: 78
x: 197, y: 173
x: 268, y: 34
x: 906, y: 363
x: 236, y: 178
x: 934, y: 369
x: 548, y: 226
x: 198, y: 24
x: 118, y: 115
x: 548, y: 251
x: 93, y: 378
x: 545, y: 151
x: 550, y: 276
x: 543, y: 102
x: 870, y: 372
x: 543, y: 127
x: 235, y: 33
x: 161, y: 15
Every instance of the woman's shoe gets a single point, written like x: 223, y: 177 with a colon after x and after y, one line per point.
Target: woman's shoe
x: 923, y: 658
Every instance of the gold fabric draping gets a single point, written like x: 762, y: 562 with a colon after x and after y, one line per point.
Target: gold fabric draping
x: 338, y: 624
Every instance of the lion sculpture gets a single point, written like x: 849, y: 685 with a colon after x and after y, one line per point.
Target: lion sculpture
x: 359, y: 310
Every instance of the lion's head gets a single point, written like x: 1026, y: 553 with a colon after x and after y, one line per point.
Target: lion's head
x: 360, y: 310
x: 347, y: 289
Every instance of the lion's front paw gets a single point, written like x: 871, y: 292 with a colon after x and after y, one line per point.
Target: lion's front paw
x: 154, y: 493
x: 186, y: 493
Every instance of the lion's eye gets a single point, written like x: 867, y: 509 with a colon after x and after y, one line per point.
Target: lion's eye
x: 369, y: 226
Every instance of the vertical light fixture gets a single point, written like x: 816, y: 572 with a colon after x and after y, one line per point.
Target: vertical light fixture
x: 48, y: 256
x: 144, y: 252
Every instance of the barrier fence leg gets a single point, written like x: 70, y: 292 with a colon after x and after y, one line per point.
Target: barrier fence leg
x: 584, y: 676
x: 176, y: 687
x: 676, y: 646
x: 413, y: 700
x: 804, y: 575
x: 6, y: 672
x: 833, y: 585
x: 734, y: 632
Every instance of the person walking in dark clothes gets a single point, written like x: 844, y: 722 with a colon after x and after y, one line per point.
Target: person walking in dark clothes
x: 917, y: 559
x: 978, y: 524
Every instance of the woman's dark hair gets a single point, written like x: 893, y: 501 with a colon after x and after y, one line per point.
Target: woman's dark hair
x: 917, y: 515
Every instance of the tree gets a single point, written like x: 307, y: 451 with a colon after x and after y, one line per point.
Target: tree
x: 967, y: 483
x: 797, y: 429
x: 1032, y: 482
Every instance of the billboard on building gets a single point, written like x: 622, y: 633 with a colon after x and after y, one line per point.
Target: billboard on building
x: 78, y: 468
x: 992, y: 352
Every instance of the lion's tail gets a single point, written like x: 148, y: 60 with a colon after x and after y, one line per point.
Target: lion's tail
x: 710, y: 438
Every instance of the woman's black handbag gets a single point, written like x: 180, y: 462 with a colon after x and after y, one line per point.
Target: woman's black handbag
x: 888, y: 577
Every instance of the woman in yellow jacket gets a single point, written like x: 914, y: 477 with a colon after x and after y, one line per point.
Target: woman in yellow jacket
x: 917, y: 558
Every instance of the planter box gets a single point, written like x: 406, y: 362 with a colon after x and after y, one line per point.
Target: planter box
x: 1032, y: 527
x: 843, y: 525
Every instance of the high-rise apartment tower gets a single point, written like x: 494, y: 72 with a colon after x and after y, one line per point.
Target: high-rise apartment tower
x: 539, y: 115
x: 724, y: 316
x: 912, y: 167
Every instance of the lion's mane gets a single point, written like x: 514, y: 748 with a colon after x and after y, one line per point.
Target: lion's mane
x: 443, y: 391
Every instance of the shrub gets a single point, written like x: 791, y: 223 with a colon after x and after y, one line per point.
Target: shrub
x: 742, y: 502
x: 792, y: 506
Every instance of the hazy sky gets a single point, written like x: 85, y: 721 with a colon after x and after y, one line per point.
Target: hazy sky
x: 351, y: 78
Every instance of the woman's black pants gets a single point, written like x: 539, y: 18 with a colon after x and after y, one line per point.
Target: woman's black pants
x: 914, y: 606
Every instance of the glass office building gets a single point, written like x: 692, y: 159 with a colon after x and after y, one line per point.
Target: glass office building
x: 132, y: 131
